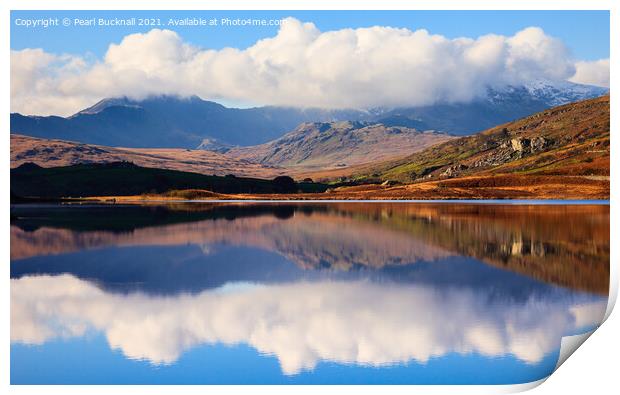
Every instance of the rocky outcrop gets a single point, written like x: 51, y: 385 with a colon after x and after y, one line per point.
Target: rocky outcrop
x: 524, y: 145
x: 453, y: 171
x: 214, y: 145
x: 507, y: 151
x: 519, y: 144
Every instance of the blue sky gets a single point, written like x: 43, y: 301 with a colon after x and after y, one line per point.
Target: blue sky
x: 241, y: 364
x: 586, y: 33
x: 407, y: 58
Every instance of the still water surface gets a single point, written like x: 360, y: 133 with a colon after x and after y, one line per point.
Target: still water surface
x: 302, y: 293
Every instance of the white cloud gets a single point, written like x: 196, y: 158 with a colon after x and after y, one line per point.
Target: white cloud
x: 356, y: 322
x: 300, y: 66
x: 592, y: 73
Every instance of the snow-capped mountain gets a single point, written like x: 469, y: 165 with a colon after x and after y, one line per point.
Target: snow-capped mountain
x: 556, y: 93
x: 499, y: 105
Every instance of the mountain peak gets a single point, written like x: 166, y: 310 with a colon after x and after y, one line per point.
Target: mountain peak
x: 148, y: 102
x: 101, y: 105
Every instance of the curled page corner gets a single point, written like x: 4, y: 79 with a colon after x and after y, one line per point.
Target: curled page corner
x: 613, y: 295
x: 569, y: 345
x: 518, y: 388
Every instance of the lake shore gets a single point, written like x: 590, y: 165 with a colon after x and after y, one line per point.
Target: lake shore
x: 498, y: 187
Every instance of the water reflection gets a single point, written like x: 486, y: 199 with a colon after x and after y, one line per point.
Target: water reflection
x: 564, y: 245
x: 365, y: 285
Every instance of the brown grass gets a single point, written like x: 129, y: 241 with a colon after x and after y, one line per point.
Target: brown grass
x: 487, y: 187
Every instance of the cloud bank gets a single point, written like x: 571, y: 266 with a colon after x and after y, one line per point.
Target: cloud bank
x: 301, y: 66
x: 356, y: 322
x: 592, y: 73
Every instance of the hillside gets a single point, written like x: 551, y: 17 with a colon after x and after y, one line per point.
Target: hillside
x: 123, y: 178
x: 569, y: 140
x: 338, y: 144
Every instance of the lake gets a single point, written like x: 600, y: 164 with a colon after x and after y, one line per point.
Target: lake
x: 302, y: 293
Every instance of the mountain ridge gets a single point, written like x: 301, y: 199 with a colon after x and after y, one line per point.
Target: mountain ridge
x: 175, y: 122
x: 170, y: 122
x: 327, y: 145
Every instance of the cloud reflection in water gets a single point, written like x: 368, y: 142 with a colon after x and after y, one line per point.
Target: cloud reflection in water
x: 301, y: 323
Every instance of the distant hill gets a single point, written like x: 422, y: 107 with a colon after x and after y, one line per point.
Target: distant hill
x: 56, y: 153
x: 173, y: 122
x: 123, y: 178
x: 310, y: 146
x: 338, y: 144
x: 570, y: 140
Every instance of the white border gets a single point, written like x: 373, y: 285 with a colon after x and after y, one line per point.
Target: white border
x: 594, y: 368
x: 310, y: 5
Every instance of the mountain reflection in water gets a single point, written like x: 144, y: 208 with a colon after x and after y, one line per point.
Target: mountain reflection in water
x: 561, y: 244
x: 361, y: 284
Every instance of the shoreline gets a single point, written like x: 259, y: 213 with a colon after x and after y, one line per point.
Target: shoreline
x: 496, y: 188
x: 155, y: 200
x: 499, y: 187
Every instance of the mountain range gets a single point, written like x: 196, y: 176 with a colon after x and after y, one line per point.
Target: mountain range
x: 171, y: 122
x: 174, y: 122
